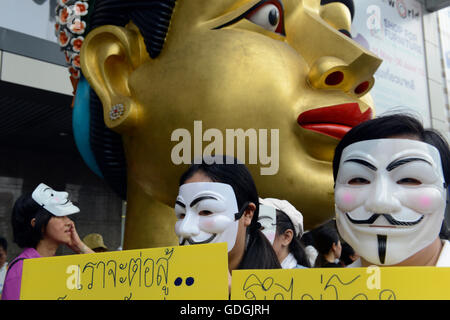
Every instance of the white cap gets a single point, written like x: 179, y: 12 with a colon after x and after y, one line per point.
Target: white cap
x: 293, y: 214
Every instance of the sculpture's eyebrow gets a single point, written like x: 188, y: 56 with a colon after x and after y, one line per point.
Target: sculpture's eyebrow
x: 363, y: 162
x: 195, y: 201
x: 348, y: 3
x: 396, y: 163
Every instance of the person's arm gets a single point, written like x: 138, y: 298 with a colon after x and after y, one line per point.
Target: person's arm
x: 76, y: 244
x: 13, y: 282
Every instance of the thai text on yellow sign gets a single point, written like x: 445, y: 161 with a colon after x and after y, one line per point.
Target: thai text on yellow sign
x: 181, y: 272
x: 372, y: 283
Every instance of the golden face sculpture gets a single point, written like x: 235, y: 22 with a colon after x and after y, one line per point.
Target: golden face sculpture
x: 232, y: 64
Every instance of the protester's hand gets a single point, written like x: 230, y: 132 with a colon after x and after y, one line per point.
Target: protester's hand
x: 75, y: 242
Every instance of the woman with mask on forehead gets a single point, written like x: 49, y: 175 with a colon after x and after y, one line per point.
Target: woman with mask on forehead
x: 282, y: 224
x: 218, y: 202
x: 40, y: 224
x: 391, y: 177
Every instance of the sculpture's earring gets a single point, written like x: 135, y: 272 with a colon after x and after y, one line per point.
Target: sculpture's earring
x: 116, y: 111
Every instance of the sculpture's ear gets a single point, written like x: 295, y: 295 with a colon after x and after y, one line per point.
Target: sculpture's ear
x: 109, y: 55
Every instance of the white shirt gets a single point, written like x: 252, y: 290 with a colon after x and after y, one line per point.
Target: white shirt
x: 289, y: 262
x: 312, y: 254
x: 2, y: 276
x: 444, y: 257
x: 443, y: 260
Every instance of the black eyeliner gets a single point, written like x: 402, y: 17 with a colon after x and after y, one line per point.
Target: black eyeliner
x: 242, y: 16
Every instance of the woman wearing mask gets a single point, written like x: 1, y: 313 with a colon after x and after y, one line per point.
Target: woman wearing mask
x: 40, y: 225
x: 218, y: 202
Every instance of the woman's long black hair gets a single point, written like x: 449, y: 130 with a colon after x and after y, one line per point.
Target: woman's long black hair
x: 324, y: 238
x: 295, y: 247
x: 259, y: 253
x: 24, y: 210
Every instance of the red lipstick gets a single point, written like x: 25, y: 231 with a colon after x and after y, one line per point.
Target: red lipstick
x: 334, y: 121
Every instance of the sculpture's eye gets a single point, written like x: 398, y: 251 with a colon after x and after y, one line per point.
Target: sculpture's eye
x: 269, y: 15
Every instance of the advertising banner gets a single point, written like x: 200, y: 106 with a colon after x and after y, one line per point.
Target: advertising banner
x: 444, y: 26
x: 392, y: 29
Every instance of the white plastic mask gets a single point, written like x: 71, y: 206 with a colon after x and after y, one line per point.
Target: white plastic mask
x: 268, y: 220
x: 206, y: 214
x: 55, y: 202
x: 390, y: 198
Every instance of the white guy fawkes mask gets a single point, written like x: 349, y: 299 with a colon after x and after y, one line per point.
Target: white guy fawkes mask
x: 55, y: 202
x: 206, y: 213
x: 268, y: 220
x: 390, y: 198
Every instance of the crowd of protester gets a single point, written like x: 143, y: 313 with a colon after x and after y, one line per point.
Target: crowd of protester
x: 218, y: 201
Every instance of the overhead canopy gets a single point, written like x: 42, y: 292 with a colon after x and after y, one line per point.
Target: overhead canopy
x: 434, y: 5
x: 35, y: 119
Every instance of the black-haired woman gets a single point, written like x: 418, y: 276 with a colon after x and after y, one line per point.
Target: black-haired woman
x: 40, y: 225
x: 391, y: 184
x: 218, y: 202
x: 327, y: 243
x: 283, y: 227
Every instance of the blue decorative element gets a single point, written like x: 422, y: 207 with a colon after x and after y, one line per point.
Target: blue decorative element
x: 81, y: 125
x: 189, y: 281
x: 178, y: 281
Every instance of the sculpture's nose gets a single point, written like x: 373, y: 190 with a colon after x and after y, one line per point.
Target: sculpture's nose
x: 336, y: 62
x: 330, y: 72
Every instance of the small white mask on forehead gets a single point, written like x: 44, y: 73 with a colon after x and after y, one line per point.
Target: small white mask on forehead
x: 390, y: 198
x: 55, y: 202
x: 268, y: 220
x: 206, y: 213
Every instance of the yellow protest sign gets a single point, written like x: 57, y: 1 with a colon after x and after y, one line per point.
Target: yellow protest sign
x: 372, y: 283
x: 181, y: 272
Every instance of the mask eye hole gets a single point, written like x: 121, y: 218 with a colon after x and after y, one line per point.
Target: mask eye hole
x: 409, y: 182
x: 268, y: 15
x: 358, y: 181
x: 205, y: 213
x: 180, y: 210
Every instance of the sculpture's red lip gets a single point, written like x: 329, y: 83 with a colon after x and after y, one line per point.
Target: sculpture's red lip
x: 334, y: 121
